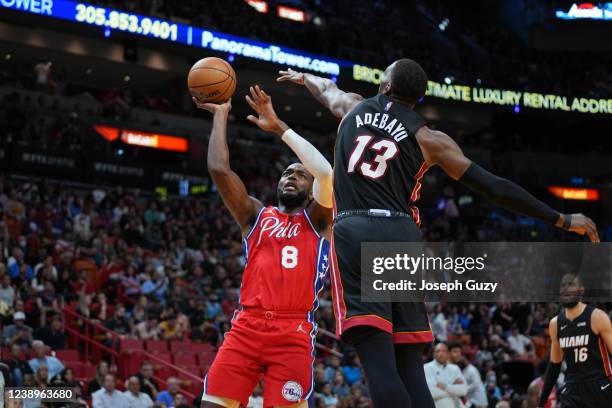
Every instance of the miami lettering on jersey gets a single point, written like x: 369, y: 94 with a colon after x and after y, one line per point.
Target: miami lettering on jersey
x: 574, y: 341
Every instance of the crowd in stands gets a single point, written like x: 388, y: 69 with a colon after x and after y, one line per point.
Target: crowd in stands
x: 171, y: 269
x: 475, y: 47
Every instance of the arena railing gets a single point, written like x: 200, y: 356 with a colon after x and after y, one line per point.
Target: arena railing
x: 94, y: 349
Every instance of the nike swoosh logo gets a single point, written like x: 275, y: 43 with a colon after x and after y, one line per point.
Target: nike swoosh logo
x: 563, y: 327
x: 603, y: 387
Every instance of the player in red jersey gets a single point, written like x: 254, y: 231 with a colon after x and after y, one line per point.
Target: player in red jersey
x: 273, y: 333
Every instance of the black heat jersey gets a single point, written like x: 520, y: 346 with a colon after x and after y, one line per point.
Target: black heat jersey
x: 584, y: 352
x: 378, y: 162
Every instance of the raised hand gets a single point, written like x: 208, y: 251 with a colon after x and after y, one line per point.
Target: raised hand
x: 291, y: 76
x: 266, y: 118
x: 224, y: 107
x: 581, y: 224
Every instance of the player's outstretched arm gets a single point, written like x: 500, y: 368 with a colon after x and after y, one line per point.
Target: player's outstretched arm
x: 310, y: 157
x: 554, y: 365
x: 438, y: 148
x: 324, y: 90
x: 231, y: 188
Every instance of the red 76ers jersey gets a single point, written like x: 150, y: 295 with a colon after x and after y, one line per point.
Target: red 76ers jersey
x: 286, y: 262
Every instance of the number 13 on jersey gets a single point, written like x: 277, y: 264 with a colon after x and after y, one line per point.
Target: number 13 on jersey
x: 387, y: 149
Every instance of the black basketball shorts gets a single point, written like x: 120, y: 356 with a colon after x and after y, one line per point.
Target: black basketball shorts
x: 594, y: 394
x: 407, y: 322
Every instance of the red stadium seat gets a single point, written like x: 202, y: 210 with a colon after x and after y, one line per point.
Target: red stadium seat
x: 157, y: 345
x: 193, y: 369
x: 195, y: 387
x: 126, y: 344
x: 184, y: 359
x: 164, y: 356
x: 78, y: 368
x: 89, y: 370
x: 180, y: 346
x: 67, y: 355
x: 201, y: 347
x: 205, y: 360
x: 164, y: 372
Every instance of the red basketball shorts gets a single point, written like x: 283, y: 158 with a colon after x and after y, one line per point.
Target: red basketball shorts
x: 277, y: 347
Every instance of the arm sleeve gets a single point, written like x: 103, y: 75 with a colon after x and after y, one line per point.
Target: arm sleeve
x: 550, y: 379
x: 315, y: 163
x: 507, y: 194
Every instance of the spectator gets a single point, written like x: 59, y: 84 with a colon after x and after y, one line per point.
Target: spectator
x: 7, y: 292
x: 180, y: 401
x: 53, y: 335
x: 256, y: 398
x: 98, y: 381
x: 18, y: 332
x: 148, y: 384
x: 66, y: 379
x: 119, y: 323
x: 41, y: 376
x: 18, y: 269
x: 167, y: 396
x: 108, y: 396
x: 352, y: 371
x: 53, y: 365
x: 476, y: 396
x: 439, y: 324
x: 169, y: 329
x: 494, y: 394
x: 518, y: 342
x: 42, y: 70
x: 18, y: 366
x: 329, y: 399
x: 44, y: 271
x: 135, y: 398
x: 444, y: 379
x: 333, y: 365
x: 147, y: 330
x: 535, y: 389
x: 339, y: 385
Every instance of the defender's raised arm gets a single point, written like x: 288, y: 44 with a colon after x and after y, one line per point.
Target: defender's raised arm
x: 324, y: 90
x: 438, y: 148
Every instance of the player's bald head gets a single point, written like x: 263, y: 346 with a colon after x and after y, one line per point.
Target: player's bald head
x: 405, y: 80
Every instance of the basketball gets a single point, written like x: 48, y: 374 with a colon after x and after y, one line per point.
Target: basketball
x: 212, y: 80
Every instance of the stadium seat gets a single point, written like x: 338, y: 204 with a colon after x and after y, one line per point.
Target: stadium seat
x: 126, y: 344
x: 195, y: 387
x: 184, y: 359
x: 164, y: 356
x: 78, y: 368
x: 67, y: 355
x: 157, y: 345
x: 163, y: 372
x: 201, y: 347
x: 205, y: 360
x: 193, y: 369
x: 180, y: 346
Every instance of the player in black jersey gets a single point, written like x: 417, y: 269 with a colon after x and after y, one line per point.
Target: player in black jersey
x: 582, y: 337
x: 382, y: 150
